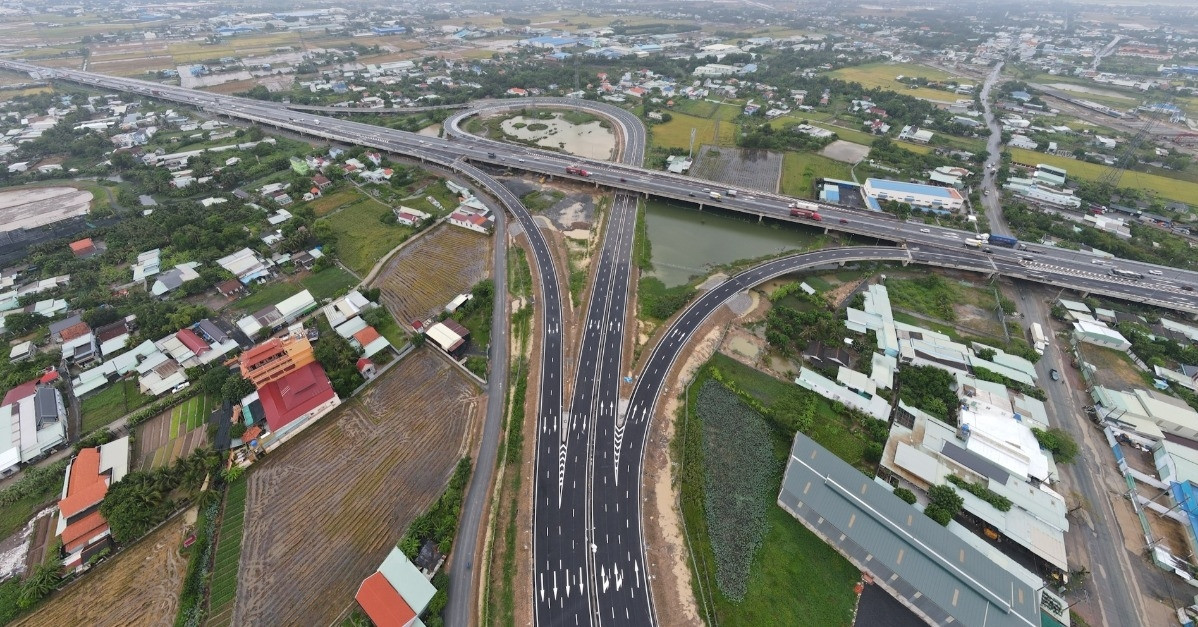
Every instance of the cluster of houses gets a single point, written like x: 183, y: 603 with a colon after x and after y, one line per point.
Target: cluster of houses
x: 991, y: 441
x: 13, y: 291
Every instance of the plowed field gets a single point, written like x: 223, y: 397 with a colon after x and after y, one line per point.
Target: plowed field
x: 139, y: 586
x: 429, y: 273
x: 323, y: 511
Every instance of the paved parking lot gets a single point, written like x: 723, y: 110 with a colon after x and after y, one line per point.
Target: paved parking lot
x: 749, y: 169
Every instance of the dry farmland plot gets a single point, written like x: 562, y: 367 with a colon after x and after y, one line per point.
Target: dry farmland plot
x: 323, y: 511
x: 139, y: 586
x: 173, y: 434
x: 426, y: 275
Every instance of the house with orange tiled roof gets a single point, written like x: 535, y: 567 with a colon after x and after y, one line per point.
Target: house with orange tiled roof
x: 396, y: 594
x: 369, y: 341
x: 84, y: 248
x: 78, y: 343
x: 81, y: 527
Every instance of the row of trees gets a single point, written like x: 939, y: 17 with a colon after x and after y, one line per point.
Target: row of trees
x: 142, y: 499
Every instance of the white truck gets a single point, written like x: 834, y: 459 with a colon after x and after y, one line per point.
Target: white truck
x: 715, y: 195
x: 1039, y: 341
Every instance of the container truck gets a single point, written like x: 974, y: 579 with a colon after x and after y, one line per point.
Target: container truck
x: 803, y: 204
x: 973, y: 243
x: 806, y: 213
x: 1004, y: 241
x: 714, y: 195
x: 1039, y: 341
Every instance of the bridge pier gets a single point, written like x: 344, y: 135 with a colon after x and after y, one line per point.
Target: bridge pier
x: 759, y: 218
x: 906, y: 262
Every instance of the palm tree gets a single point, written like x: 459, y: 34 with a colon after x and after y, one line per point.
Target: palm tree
x: 42, y: 581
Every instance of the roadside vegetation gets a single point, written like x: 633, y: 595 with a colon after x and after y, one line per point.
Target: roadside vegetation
x: 799, y: 580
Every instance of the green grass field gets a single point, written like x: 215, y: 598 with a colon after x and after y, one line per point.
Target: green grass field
x: 331, y: 202
x: 800, y: 169
x: 677, y: 132
x: 1170, y: 188
x: 268, y: 294
x: 228, y: 550
x: 796, y: 578
x: 330, y: 282
x: 362, y: 238
x: 883, y: 75
x: 111, y: 403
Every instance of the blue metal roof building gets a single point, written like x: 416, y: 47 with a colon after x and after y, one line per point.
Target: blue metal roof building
x: 938, y: 575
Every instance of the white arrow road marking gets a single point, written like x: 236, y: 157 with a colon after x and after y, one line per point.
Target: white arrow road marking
x: 636, y: 567
x: 542, y: 587
x: 582, y: 586
x: 619, y: 577
x: 555, y: 584
x: 603, y: 576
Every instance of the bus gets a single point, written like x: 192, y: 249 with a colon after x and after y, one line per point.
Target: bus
x: 1126, y: 274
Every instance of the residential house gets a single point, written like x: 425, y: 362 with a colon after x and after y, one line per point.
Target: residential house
x: 78, y: 343
x: 174, y: 278
x: 81, y: 527
x: 408, y: 216
x: 56, y: 328
x: 113, y: 338
x: 448, y: 335
x: 274, y: 359
x: 475, y: 221
x: 370, y: 342
x: 396, y: 594
x: 296, y: 399
x: 32, y: 422
x: 231, y: 288
x: 21, y: 352
x: 84, y: 248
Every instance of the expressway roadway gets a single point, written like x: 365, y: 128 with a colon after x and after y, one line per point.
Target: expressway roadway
x: 617, y: 592
x: 1054, y: 266
x: 567, y: 587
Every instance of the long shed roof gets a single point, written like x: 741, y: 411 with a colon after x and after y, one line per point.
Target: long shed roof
x: 916, y: 559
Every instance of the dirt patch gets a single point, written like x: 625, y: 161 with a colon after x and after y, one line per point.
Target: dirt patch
x: 16, y: 549
x: 979, y: 320
x: 39, y: 206
x: 1111, y: 368
x: 423, y: 277
x: 323, y: 512
x: 138, y: 586
x: 846, y: 152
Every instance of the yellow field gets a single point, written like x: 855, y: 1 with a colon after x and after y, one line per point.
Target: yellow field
x: 1172, y: 189
x: 882, y: 75
x: 677, y: 132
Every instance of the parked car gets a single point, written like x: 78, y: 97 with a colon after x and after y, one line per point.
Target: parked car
x: 1056, y: 376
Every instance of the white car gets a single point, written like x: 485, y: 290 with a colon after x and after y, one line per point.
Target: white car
x: 1156, y: 272
x: 925, y: 230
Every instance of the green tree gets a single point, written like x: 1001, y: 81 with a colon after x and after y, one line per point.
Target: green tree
x: 905, y: 495
x: 235, y: 388
x: 944, y: 504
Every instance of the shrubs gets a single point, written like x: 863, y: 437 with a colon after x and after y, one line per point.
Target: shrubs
x: 440, y: 522
x: 191, y: 599
x: 1000, y: 502
x: 905, y: 495
x: 738, y: 467
x: 945, y: 504
x: 1063, y: 447
x: 660, y: 302
x: 929, y: 389
x: 36, y: 480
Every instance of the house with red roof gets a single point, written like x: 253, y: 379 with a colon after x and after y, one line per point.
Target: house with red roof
x: 473, y: 221
x: 81, y: 526
x: 296, y: 399
x: 396, y: 594
x: 193, y: 342
x: 84, y: 248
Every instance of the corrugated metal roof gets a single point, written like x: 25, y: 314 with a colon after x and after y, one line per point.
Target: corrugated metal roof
x: 906, y: 552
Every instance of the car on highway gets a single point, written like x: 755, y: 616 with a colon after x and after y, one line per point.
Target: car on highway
x: 925, y: 230
x: 1156, y: 272
x: 1187, y: 288
x: 1054, y: 375
x: 491, y: 155
x: 843, y: 221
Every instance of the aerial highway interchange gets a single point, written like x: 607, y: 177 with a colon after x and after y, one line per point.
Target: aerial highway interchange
x: 589, y: 554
